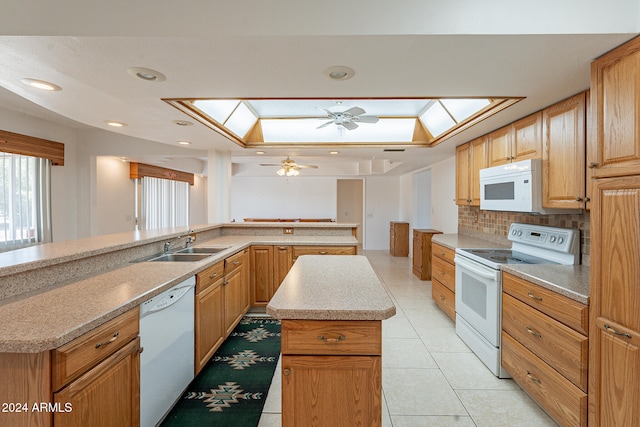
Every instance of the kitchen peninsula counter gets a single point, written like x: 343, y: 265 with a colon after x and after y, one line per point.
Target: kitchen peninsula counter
x: 59, y: 291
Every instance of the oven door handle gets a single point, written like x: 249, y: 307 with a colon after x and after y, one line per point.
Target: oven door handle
x: 475, y: 268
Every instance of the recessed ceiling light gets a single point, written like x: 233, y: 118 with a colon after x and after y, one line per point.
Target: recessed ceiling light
x: 184, y: 143
x: 334, y: 152
x: 41, y: 84
x: 339, y: 72
x: 115, y: 124
x: 146, y: 74
x: 182, y: 123
x: 259, y: 152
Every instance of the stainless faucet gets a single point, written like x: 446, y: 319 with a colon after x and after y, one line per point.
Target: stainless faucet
x: 188, y: 240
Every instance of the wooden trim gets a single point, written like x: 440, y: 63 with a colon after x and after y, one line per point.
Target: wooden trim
x: 140, y: 170
x: 26, y: 145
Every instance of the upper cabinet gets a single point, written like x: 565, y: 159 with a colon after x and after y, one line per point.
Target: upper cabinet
x: 563, y: 181
x: 520, y: 140
x: 470, y: 158
x: 615, y: 102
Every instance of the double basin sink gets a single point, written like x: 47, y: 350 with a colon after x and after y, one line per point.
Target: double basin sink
x: 189, y: 254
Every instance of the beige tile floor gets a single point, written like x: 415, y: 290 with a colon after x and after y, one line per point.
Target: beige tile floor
x: 429, y: 376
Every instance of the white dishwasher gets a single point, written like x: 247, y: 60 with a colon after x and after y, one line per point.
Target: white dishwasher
x: 167, y: 361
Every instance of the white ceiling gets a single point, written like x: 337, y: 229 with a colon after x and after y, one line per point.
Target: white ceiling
x: 256, y: 49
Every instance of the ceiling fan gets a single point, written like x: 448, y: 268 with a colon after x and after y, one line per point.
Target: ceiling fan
x: 348, y: 119
x: 288, y: 167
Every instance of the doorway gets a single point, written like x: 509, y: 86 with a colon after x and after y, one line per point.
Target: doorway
x: 350, y: 204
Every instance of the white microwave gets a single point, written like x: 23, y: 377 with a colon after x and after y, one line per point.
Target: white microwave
x: 515, y: 187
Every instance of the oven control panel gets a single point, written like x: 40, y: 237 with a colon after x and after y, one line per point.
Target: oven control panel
x: 563, y: 240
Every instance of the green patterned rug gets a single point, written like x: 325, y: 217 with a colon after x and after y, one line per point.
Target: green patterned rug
x: 231, y: 389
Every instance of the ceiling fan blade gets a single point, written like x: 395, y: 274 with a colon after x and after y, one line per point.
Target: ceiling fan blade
x: 307, y: 166
x: 349, y: 125
x: 270, y: 164
x: 366, y: 119
x: 354, y: 111
x: 325, y: 124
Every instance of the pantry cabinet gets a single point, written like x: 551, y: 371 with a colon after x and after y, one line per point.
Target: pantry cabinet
x: 614, y: 370
x: 615, y: 99
x: 564, y: 154
x: 470, y: 158
x: 517, y: 141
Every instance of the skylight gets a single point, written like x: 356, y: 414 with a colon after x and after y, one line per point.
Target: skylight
x: 254, y: 123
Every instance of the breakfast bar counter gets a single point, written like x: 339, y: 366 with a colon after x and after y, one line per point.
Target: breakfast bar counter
x: 331, y: 309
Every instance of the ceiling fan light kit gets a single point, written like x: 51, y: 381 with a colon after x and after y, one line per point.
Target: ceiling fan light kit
x: 288, y: 167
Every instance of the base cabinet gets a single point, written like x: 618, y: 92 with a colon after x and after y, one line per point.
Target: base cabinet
x: 422, y: 253
x: 399, y: 239
x: 331, y: 373
x: 235, y: 290
x: 443, y: 279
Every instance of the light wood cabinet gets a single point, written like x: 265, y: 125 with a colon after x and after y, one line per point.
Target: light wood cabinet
x: 209, y: 327
x: 614, y: 382
x: 421, y: 261
x: 270, y: 264
x: 564, y: 129
x: 106, y: 395
x: 235, y: 291
x: 399, y: 238
x: 92, y: 380
x: 261, y: 274
x: 517, y: 141
x: 443, y: 279
x: 470, y: 158
x: 331, y: 373
x: 543, y: 351
x: 615, y: 103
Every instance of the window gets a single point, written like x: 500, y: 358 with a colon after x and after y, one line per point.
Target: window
x: 25, y: 201
x: 163, y: 203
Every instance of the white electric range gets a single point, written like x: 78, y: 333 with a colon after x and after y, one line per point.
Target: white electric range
x: 479, y: 283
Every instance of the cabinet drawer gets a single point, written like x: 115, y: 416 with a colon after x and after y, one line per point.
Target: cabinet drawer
x: 86, y: 351
x: 445, y: 299
x: 234, y: 262
x: 560, y: 398
x: 443, y: 253
x: 444, y: 273
x: 357, y: 337
x: 560, y: 346
x: 323, y: 250
x: 561, y: 308
x: 207, y: 277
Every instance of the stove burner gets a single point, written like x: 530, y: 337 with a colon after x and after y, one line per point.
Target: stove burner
x: 506, y: 256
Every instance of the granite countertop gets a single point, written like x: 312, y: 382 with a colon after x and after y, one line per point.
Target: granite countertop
x: 571, y: 281
x: 46, y: 319
x: 331, y: 287
x: 455, y: 241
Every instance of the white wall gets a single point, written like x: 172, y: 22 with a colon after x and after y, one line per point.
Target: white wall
x: 280, y: 197
x: 444, y: 211
x: 112, y: 205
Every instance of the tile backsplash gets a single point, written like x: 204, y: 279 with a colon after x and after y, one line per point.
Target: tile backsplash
x: 494, y: 226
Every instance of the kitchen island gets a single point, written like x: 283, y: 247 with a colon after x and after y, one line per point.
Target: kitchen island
x: 331, y: 309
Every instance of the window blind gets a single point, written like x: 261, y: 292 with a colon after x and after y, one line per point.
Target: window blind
x: 164, y: 203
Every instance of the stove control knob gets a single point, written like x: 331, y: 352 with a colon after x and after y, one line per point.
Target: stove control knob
x: 513, y: 232
x: 560, y: 240
x: 519, y: 233
x: 552, y: 239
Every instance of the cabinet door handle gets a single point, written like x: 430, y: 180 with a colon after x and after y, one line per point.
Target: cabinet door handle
x: 508, y: 158
x: 534, y: 297
x: 593, y: 165
x: 323, y: 252
x: 286, y: 372
x: 441, y: 298
x: 212, y: 275
x: 620, y: 334
x: 282, y: 248
x: 236, y: 262
x: 115, y: 337
x: 325, y: 339
x: 532, y: 378
x: 226, y: 282
x: 534, y: 333
x: 578, y: 199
